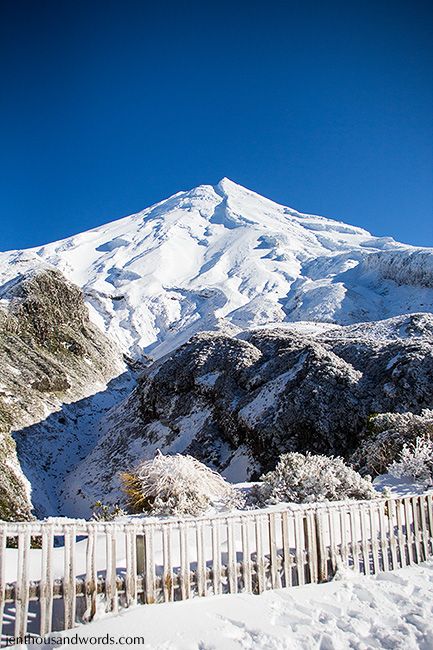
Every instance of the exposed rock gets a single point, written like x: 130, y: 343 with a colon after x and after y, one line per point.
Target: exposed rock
x: 238, y: 403
x: 50, y: 353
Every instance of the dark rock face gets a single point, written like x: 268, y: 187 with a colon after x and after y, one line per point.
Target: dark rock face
x: 50, y: 353
x: 268, y: 392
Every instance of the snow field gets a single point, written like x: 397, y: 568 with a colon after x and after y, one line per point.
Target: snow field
x: 391, y: 611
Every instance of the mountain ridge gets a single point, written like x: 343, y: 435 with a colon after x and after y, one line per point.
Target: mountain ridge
x: 237, y: 403
x: 225, y: 258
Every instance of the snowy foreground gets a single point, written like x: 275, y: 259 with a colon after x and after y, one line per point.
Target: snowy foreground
x: 391, y: 610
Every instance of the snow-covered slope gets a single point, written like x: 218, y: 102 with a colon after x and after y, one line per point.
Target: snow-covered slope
x: 52, y: 362
x: 226, y: 258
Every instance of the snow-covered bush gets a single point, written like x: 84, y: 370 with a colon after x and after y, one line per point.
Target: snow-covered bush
x: 303, y: 478
x: 415, y: 461
x: 177, y: 485
x: 387, y: 434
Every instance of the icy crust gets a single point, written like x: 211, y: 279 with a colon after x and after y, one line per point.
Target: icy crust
x: 237, y: 403
x: 227, y: 259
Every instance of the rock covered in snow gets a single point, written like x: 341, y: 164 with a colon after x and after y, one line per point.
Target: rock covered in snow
x: 50, y: 353
x: 238, y: 403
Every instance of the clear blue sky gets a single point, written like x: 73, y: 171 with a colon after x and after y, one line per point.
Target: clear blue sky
x: 107, y: 107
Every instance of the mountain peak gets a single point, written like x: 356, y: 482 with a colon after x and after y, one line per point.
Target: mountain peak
x: 226, y: 185
x: 223, y: 256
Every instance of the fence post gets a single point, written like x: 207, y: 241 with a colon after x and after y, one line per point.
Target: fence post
x: 91, y: 577
x: 275, y: 572
x: 374, y: 529
x: 342, y: 514
x: 383, y: 537
x: 299, y: 547
x: 365, y: 546
x: 390, y: 508
x: 111, y: 564
x: 131, y: 564
x: 216, y: 556
x: 140, y: 568
x: 261, y: 576
x: 429, y: 500
x: 167, y: 577
x: 287, y: 558
x: 408, y: 527
x: 232, y: 578
x: 424, y: 532
x: 184, y: 561
x: 69, y: 596
x: 49, y: 579
x: 22, y: 584
x: 416, y: 531
x: 150, y: 564
x: 246, y: 556
x: 320, y: 546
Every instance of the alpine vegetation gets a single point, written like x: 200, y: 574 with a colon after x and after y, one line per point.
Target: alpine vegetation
x: 387, y: 435
x: 177, y: 485
x: 303, y: 478
x: 415, y: 461
x: 107, y: 512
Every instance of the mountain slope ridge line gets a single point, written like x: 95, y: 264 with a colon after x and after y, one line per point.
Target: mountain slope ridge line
x: 225, y: 258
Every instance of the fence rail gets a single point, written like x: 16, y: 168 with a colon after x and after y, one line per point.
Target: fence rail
x: 54, y: 574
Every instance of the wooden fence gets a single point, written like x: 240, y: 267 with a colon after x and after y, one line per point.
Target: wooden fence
x: 54, y: 574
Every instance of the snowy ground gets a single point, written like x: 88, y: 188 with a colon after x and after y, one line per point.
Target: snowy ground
x: 391, y: 610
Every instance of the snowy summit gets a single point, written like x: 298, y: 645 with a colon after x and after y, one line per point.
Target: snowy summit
x: 225, y: 258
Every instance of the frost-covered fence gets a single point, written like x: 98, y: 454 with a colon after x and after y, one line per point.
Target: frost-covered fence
x: 54, y: 574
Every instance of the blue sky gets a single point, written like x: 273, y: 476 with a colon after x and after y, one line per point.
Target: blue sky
x: 107, y: 107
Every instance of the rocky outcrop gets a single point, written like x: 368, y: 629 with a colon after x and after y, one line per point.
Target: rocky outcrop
x: 50, y: 353
x: 238, y: 403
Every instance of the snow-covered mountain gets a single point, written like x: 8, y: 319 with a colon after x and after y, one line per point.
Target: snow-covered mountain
x: 218, y: 258
x: 224, y: 258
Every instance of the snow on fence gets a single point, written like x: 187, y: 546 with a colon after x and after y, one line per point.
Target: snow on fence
x: 54, y: 574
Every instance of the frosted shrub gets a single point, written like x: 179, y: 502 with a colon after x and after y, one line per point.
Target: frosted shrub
x: 177, y: 485
x: 387, y: 434
x: 303, y: 478
x: 415, y: 461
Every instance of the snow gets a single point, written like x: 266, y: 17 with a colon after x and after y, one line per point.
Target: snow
x: 224, y: 257
x: 399, y: 486
x: 52, y: 448
x: 390, y: 610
